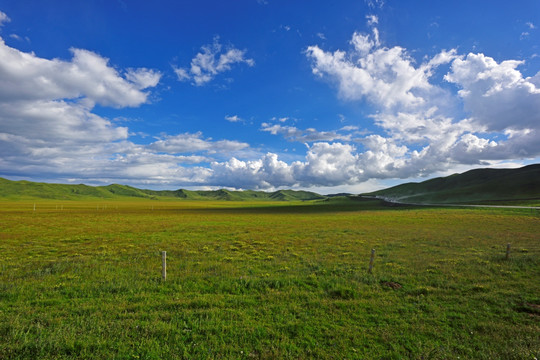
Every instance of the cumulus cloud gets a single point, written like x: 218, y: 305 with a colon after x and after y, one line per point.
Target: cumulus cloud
x: 496, y: 94
x: 57, y: 122
x: 421, y: 120
x: 47, y: 124
x: 385, y: 76
x: 325, y: 164
x: 87, y: 77
x: 51, y: 101
x: 211, y: 61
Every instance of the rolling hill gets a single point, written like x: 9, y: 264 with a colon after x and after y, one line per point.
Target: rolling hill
x: 31, y: 190
x: 479, y: 186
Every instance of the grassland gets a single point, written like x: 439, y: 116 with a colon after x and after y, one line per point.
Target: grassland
x: 249, y: 280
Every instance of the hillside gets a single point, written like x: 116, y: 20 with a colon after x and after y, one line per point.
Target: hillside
x: 474, y: 186
x: 30, y: 190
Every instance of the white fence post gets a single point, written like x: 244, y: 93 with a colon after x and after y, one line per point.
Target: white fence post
x: 164, y: 265
x: 371, y: 260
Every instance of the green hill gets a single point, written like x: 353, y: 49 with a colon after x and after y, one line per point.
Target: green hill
x: 30, y: 190
x: 288, y: 195
x: 26, y: 189
x: 474, y: 186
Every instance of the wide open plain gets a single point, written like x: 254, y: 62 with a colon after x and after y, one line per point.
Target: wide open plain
x: 267, y: 280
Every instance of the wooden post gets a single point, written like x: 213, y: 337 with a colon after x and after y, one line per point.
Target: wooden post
x: 371, y: 260
x: 34, y: 206
x: 507, y: 251
x: 164, y: 265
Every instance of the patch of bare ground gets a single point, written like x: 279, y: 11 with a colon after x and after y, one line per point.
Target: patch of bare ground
x: 393, y: 285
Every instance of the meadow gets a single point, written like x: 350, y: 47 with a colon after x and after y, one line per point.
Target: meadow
x: 266, y: 280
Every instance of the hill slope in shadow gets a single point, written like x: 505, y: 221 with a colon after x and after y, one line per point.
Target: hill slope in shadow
x: 474, y: 186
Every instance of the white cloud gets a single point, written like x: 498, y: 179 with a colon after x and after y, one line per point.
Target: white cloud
x: 325, y: 165
x: 496, y: 94
x: 282, y: 119
x: 233, y: 118
x: 211, y: 61
x: 4, y: 18
x: 193, y: 143
x: 183, y: 74
x: 50, y: 101
x: 46, y: 121
x: 423, y: 126
x: 267, y: 172
x: 143, y: 78
x: 423, y: 133
x: 372, y: 20
x: 86, y: 77
x: 385, y: 76
x: 57, y: 122
x: 373, y: 4
x: 292, y: 133
x: 329, y: 164
x: 525, y: 34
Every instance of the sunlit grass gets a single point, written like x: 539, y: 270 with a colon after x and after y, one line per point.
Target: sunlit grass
x: 266, y: 280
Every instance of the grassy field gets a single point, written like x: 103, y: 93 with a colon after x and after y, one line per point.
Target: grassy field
x: 250, y: 280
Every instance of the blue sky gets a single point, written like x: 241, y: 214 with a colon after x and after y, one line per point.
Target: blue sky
x: 266, y: 94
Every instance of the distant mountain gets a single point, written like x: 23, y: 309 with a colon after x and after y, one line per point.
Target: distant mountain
x: 30, y: 190
x: 474, y: 186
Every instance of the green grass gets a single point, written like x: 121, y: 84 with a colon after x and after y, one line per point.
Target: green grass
x: 480, y: 186
x: 266, y: 280
x: 17, y: 190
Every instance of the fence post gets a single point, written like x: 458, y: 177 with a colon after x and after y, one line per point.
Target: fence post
x: 371, y: 260
x: 164, y: 265
x: 507, y: 251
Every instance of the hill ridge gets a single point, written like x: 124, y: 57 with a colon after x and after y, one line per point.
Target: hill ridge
x: 476, y: 185
x: 24, y: 189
